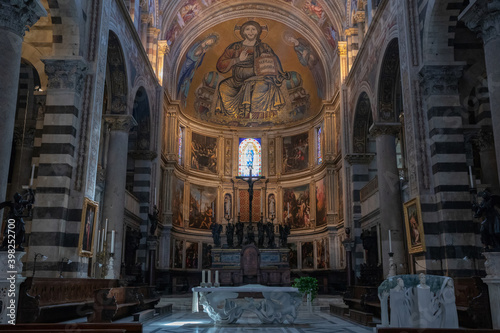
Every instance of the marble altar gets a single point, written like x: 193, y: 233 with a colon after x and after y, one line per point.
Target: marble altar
x: 279, y: 304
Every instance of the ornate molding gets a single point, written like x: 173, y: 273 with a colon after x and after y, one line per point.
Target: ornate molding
x: 359, y: 158
x: 146, y: 155
x: 18, y: 15
x: 342, y: 49
x: 66, y: 73
x: 359, y: 16
x: 163, y: 48
x: 120, y: 122
x: 484, y: 17
x: 440, y: 80
x: 384, y: 129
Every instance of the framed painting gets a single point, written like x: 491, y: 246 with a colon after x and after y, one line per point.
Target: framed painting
x: 87, y: 227
x: 414, y: 226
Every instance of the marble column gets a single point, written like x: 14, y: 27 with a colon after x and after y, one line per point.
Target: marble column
x: 15, y: 18
x: 391, y: 212
x: 483, y: 16
x: 116, y: 171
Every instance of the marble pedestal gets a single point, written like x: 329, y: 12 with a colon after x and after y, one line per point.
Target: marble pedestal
x: 10, y: 281
x: 492, y: 279
x: 279, y: 304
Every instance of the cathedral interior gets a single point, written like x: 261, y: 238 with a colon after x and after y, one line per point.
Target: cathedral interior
x: 355, y: 137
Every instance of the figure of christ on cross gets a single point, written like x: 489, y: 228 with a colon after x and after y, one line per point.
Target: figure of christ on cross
x: 250, y: 180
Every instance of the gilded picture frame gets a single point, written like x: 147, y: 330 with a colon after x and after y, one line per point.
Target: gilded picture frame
x: 414, y: 226
x: 87, y: 228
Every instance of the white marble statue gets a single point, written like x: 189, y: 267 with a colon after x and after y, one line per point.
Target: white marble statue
x: 400, y: 313
x: 428, y: 307
x: 449, y: 316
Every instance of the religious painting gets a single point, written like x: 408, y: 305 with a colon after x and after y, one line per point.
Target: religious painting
x: 202, y: 206
x: 296, y: 207
x: 322, y: 253
x: 270, y: 84
x: 203, y: 153
x: 87, y: 227
x: 293, y: 255
x: 320, y: 203
x: 295, y: 153
x: 178, y: 244
x: 206, y: 253
x: 271, y: 206
x: 414, y: 226
x: 228, y: 204
x: 178, y: 203
x: 191, y: 255
x: 307, y: 255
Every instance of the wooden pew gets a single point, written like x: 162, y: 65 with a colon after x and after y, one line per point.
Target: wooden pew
x: 54, y: 299
x: 73, y: 327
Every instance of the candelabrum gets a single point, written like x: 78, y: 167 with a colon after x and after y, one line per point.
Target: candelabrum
x: 101, y: 260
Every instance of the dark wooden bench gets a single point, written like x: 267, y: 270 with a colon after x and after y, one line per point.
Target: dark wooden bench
x: 432, y: 330
x: 114, y: 303
x: 55, y: 299
x: 361, y: 317
x: 473, y: 304
x: 73, y: 327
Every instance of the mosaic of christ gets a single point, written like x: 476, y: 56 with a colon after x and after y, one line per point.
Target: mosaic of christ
x: 250, y: 72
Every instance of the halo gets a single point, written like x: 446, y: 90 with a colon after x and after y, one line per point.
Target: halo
x: 287, y: 33
x: 265, y: 27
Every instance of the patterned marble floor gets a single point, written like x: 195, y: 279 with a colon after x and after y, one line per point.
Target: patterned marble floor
x: 318, y: 322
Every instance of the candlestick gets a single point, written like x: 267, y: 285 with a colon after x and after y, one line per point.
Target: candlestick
x: 203, y: 278
x: 216, y: 284
x: 32, y: 174
x: 470, y: 176
x: 112, y: 250
x: 209, y: 278
x: 390, y: 241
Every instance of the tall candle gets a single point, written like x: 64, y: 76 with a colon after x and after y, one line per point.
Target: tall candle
x: 390, y: 241
x: 209, y: 278
x: 217, y: 277
x: 112, y: 250
x: 32, y: 174
x: 470, y: 176
x: 98, y: 239
x: 203, y: 276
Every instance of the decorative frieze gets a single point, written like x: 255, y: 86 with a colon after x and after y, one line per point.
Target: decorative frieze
x: 66, y: 74
x: 18, y: 15
x: 120, y: 122
x: 440, y: 80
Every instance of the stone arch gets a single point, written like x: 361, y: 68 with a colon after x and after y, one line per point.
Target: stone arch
x: 67, y: 27
x: 363, y: 119
x: 117, y: 77
x: 388, y: 84
x: 438, y: 30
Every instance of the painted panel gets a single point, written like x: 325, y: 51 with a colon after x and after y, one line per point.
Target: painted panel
x: 201, y: 206
x: 295, y: 153
x: 296, y: 207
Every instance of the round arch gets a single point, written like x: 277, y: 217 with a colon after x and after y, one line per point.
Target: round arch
x: 117, y: 77
x: 388, y: 81
x: 363, y: 119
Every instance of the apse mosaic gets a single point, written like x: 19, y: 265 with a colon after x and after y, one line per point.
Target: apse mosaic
x: 320, y: 203
x: 295, y: 153
x: 203, y: 153
x: 178, y: 203
x: 249, y: 156
x: 192, y: 9
x: 202, y: 206
x: 251, y: 72
x: 296, y: 207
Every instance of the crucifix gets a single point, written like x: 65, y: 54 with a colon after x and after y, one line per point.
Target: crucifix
x: 250, y: 180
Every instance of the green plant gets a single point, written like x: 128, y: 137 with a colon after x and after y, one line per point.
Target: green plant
x: 307, y: 284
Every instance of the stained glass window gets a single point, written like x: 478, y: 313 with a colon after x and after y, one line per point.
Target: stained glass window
x: 180, y: 142
x: 249, y: 155
x: 318, y: 145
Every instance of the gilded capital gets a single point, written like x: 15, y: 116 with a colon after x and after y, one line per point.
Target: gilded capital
x: 342, y: 48
x: 163, y: 48
x: 484, y: 17
x: 18, y: 15
x: 120, y: 122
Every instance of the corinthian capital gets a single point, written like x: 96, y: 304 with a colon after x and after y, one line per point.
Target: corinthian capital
x: 385, y: 129
x: 120, y: 122
x: 18, y: 15
x: 68, y: 73
x: 483, y: 16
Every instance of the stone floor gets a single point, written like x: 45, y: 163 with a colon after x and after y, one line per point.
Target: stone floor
x: 319, y: 321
